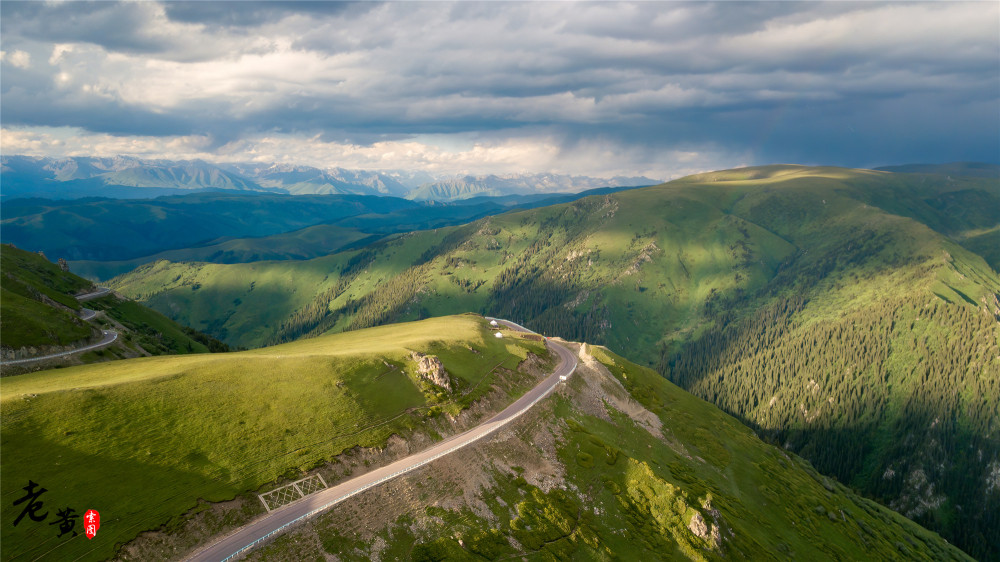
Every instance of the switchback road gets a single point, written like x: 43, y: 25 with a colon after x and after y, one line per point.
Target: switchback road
x: 280, y: 519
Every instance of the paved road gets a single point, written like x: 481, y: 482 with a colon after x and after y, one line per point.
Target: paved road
x: 109, y: 338
x: 283, y: 517
x: 86, y: 314
x: 100, y: 292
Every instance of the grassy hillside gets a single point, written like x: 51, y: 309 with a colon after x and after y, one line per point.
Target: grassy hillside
x: 144, y: 440
x: 307, y: 243
x: 662, y: 273
x: 102, y: 238
x: 619, y: 465
x: 25, y: 322
x: 152, y: 331
x: 36, y: 302
x: 105, y: 229
x: 972, y: 169
x: 38, y: 309
x: 644, y: 263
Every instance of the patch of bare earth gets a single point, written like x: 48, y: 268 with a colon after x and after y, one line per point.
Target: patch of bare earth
x: 208, y: 522
x: 466, y: 479
x: 604, y: 391
x: 456, y: 482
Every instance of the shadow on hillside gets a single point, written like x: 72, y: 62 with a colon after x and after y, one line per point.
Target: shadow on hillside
x: 895, y: 400
x: 130, y: 496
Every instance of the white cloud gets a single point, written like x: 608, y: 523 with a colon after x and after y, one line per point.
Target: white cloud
x: 58, y: 51
x: 657, y: 78
x: 442, y: 156
x: 20, y: 59
x: 525, y: 62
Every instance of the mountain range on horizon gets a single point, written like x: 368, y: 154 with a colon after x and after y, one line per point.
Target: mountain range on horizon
x: 832, y: 310
x: 848, y: 317
x: 452, y: 281
x: 127, y: 177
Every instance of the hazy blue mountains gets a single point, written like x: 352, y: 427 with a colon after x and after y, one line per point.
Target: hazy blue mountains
x: 124, y: 177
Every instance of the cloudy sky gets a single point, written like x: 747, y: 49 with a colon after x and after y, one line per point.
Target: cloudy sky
x: 654, y: 88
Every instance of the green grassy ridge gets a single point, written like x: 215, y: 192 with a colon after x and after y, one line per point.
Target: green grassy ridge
x: 960, y: 208
x: 153, y: 331
x: 307, y: 243
x: 627, y: 495
x: 899, y: 400
x: 228, y: 227
x: 250, y: 300
x: 30, y: 283
x: 78, y: 229
x: 32, y: 275
x: 653, y: 272
x: 26, y: 322
x: 705, y: 236
x: 142, y: 440
x: 246, y: 304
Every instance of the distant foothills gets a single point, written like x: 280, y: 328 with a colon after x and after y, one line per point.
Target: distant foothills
x: 125, y: 177
x: 848, y: 316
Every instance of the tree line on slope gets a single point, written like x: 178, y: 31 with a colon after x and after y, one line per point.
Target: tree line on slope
x: 901, y: 399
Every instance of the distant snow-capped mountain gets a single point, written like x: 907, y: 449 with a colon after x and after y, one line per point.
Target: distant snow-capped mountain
x: 129, y: 177
x: 301, y: 180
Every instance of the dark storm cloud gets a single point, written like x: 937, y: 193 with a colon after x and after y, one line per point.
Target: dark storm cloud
x: 114, y: 26
x: 255, y: 14
x: 838, y: 83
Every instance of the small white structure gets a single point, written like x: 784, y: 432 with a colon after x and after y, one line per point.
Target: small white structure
x: 493, y: 322
x: 499, y: 335
x: 563, y: 377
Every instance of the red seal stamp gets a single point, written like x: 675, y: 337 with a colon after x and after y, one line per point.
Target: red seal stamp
x: 91, y: 523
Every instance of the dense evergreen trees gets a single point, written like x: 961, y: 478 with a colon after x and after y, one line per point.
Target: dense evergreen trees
x: 900, y: 399
x: 833, y: 310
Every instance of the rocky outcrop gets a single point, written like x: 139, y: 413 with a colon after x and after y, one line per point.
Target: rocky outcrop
x: 715, y: 532
x: 704, y: 531
x: 698, y: 526
x: 431, y: 369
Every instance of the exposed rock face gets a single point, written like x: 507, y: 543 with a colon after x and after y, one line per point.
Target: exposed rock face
x: 701, y: 529
x: 717, y: 517
x: 918, y: 495
x: 698, y: 526
x: 431, y: 368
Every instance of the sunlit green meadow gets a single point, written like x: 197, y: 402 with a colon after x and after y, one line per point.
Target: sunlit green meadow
x: 142, y: 440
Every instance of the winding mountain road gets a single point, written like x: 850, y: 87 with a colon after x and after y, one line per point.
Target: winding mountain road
x: 86, y: 314
x: 100, y: 292
x: 280, y: 519
x: 109, y: 338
